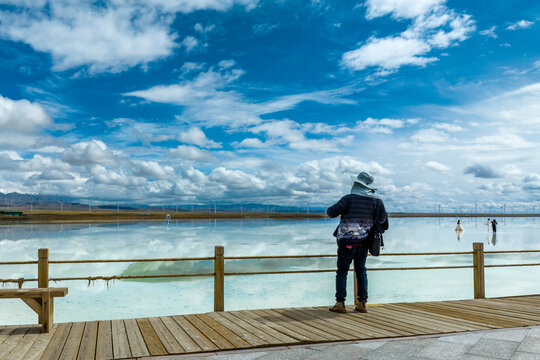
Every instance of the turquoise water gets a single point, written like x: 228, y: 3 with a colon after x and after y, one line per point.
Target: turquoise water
x: 127, y: 299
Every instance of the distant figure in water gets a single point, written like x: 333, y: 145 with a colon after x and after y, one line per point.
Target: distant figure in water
x: 358, y: 214
x: 494, y: 225
x: 488, y: 224
x: 459, y: 227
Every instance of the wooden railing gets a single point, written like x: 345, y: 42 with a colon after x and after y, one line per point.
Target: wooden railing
x: 219, y: 273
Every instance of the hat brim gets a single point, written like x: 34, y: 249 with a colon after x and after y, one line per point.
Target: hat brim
x: 355, y: 179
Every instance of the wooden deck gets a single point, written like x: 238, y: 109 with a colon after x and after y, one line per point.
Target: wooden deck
x: 167, y: 335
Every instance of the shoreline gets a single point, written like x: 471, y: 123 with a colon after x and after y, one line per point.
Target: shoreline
x: 85, y: 217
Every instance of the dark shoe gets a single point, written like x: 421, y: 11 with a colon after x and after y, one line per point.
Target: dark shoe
x: 361, y: 307
x: 339, y: 307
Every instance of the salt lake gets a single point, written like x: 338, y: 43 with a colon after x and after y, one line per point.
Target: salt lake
x: 157, y: 297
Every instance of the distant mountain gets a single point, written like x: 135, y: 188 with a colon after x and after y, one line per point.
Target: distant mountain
x: 55, y: 202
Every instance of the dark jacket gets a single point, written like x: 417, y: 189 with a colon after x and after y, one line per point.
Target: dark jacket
x: 357, y: 218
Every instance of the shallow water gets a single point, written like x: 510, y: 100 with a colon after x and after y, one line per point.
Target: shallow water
x: 127, y: 299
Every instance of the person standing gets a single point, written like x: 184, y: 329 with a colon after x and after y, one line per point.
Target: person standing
x: 488, y: 223
x: 358, y: 211
x: 458, y: 226
x: 494, y: 225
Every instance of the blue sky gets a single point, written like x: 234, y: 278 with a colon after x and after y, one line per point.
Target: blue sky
x: 280, y: 101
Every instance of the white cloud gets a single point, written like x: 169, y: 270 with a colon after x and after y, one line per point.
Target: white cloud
x: 400, y: 8
x: 76, y: 34
x: 521, y: 24
x: 196, y: 136
x: 236, y: 179
x: 437, y: 166
x: 92, y: 152
x: 519, y: 108
x: 22, y: 115
x: 429, y: 136
x: 434, y: 26
x: 388, y: 54
x: 290, y: 133
x: 190, y: 43
x: 203, y: 29
x: 153, y: 170
x: 189, y: 6
x: 192, y: 153
x: 385, y: 126
x: 107, y: 37
x: 448, y: 127
x: 489, y: 32
x: 252, y: 143
x: 208, y: 99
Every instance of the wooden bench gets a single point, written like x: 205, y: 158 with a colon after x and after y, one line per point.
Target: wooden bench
x: 41, y: 300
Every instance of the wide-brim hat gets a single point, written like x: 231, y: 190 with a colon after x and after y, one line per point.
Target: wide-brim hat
x: 364, y: 179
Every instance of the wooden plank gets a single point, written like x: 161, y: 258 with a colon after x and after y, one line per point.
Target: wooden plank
x: 236, y: 340
x: 490, y: 309
x: 210, y: 333
x: 56, y: 345
x: 403, y: 322
x: 202, y: 341
x: 46, y: 317
x: 353, y: 324
x: 442, y: 319
x: 155, y: 347
x: 119, y: 340
x: 5, y: 332
x: 39, y: 345
x: 336, y: 321
x: 135, y: 338
x: 33, y: 304
x: 252, y: 339
x: 73, y: 341
x: 104, y: 341
x: 87, y: 351
x: 280, y: 323
x: 513, y: 306
x: 305, y: 316
x: 312, y: 325
x: 32, y: 292
x: 276, y: 328
x: 431, y: 307
x: 261, y: 333
x: 166, y: 337
x: 500, y: 321
x: 371, y: 319
x: 423, y: 322
x: 22, y: 347
x: 180, y: 335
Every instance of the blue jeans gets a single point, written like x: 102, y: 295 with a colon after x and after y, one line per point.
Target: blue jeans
x: 344, y: 259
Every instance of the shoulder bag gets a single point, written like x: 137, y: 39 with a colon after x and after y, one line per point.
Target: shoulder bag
x: 376, y: 233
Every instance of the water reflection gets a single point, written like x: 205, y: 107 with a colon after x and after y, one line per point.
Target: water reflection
x: 256, y: 237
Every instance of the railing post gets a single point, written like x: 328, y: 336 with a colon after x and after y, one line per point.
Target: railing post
x: 219, y: 278
x: 43, y: 268
x: 478, y: 264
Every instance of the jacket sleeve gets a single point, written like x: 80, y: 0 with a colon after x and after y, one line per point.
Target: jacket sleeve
x: 383, y: 217
x: 338, y: 208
